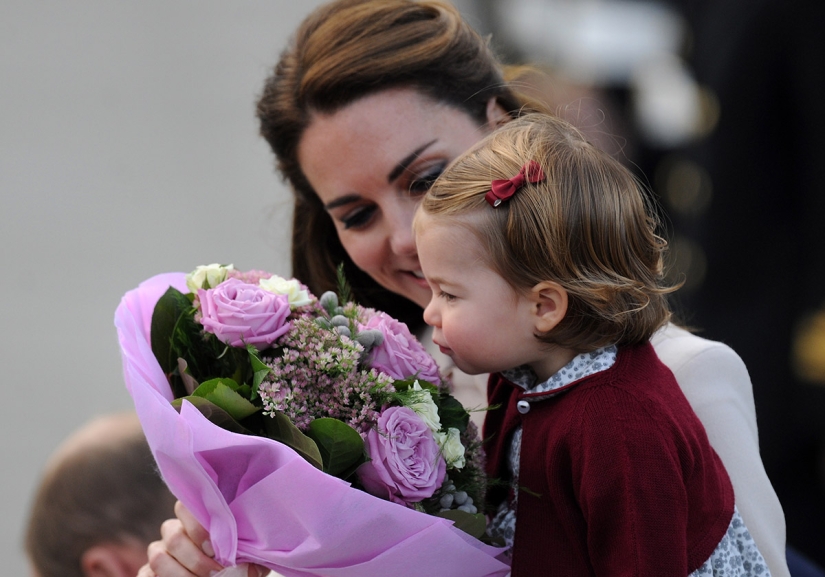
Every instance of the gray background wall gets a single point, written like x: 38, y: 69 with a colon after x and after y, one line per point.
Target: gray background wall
x: 128, y: 147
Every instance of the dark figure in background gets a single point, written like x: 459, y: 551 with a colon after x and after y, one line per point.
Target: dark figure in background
x: 757, y: 226
x: 99, y: 504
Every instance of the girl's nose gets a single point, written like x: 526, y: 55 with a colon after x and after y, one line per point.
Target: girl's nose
x: 431, y: 316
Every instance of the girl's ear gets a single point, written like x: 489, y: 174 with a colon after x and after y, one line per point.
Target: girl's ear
x: 549, y: 305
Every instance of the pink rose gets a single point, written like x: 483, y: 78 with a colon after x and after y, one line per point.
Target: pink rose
x: 242, y: 314
x: 406, y: 465
x: 400, y: 355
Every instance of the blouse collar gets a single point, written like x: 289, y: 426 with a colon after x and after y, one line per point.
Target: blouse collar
x: 581, y: 366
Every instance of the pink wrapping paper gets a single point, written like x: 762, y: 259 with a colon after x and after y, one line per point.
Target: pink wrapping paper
x: 262, y: 503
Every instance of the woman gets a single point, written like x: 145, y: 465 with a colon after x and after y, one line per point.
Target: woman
x: 364, y: 110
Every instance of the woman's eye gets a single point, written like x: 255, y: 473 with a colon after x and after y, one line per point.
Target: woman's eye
x: 358, y: 218
x: 422, y: 183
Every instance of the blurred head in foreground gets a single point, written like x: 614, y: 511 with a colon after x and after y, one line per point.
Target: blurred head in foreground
x: 99, y: 504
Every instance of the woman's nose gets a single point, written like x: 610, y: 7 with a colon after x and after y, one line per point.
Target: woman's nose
x: 402, y: 238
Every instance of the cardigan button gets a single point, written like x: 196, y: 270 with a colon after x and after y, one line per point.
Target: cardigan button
x: 523, y: 407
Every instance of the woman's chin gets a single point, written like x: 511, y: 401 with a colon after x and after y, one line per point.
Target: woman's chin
x: 415, y: 289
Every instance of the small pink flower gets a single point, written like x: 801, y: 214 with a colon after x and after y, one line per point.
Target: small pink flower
x: 406, y: 465
x: 248, y: 276
x: 400, y: 355
x: 242, y: 314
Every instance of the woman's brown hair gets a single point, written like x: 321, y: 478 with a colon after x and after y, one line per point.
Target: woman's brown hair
x: 344, y: 51
x: 588, y: 225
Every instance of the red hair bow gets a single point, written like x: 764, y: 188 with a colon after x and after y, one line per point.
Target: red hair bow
x: 502, y: 190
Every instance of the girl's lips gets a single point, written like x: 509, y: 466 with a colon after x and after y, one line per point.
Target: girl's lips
x: 446, y: 350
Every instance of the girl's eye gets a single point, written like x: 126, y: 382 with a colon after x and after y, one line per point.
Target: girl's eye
x: 423, y: 181
x: 358, y: 218
x: 447, y: 296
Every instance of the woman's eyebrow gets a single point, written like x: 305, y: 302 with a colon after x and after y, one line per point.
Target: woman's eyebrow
x: 407, y: 161
x: 341, y: 201
x: 395, y: 173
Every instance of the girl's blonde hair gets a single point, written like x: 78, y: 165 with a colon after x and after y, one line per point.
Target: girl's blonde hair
x: 589, y: 226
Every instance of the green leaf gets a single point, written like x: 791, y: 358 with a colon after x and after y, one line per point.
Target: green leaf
x: 223, y: 393
x: 341, y: 447
x: 344, y: 290
x: 281, y: 429
x: 168, y: 310
x: 205, y: 355
x: 189, y: 382
x: 403, y: 385
x: 214, y: 413
x: 473, y: 524
x: 259, y: 369
x: 452, y: 413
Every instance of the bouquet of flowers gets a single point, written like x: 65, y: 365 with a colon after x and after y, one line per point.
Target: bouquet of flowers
x: 278, y: 417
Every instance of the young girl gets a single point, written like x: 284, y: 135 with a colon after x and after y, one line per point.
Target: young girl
x: 546, y: 271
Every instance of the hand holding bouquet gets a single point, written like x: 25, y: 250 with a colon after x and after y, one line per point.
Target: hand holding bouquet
x: 274, y: 386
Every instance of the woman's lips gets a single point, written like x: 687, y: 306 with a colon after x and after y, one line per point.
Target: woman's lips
x: 418, y: 279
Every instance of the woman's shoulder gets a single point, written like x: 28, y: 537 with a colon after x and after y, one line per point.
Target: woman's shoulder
x: 712, y: 377
x: 718, y: 387
x: 682, y: 350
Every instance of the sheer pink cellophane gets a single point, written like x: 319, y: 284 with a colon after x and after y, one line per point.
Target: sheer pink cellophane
x: 261, y: 502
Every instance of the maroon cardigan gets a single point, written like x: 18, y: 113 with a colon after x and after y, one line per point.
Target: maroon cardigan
x: 617, y: 476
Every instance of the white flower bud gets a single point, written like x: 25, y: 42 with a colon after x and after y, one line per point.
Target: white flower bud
x: 207, y: 276
x: 451, y: 447
x: 298, y: 297
x: 422, y: 403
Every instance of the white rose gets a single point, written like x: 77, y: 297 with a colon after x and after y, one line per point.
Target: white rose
x: 422, y: 403
x: 207, y: 277
x: 297, y: 296
x: 451, y: 448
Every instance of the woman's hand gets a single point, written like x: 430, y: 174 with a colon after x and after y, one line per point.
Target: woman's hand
x: 185, y: 550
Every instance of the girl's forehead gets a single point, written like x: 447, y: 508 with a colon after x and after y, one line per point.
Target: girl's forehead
x: 448, y: 235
